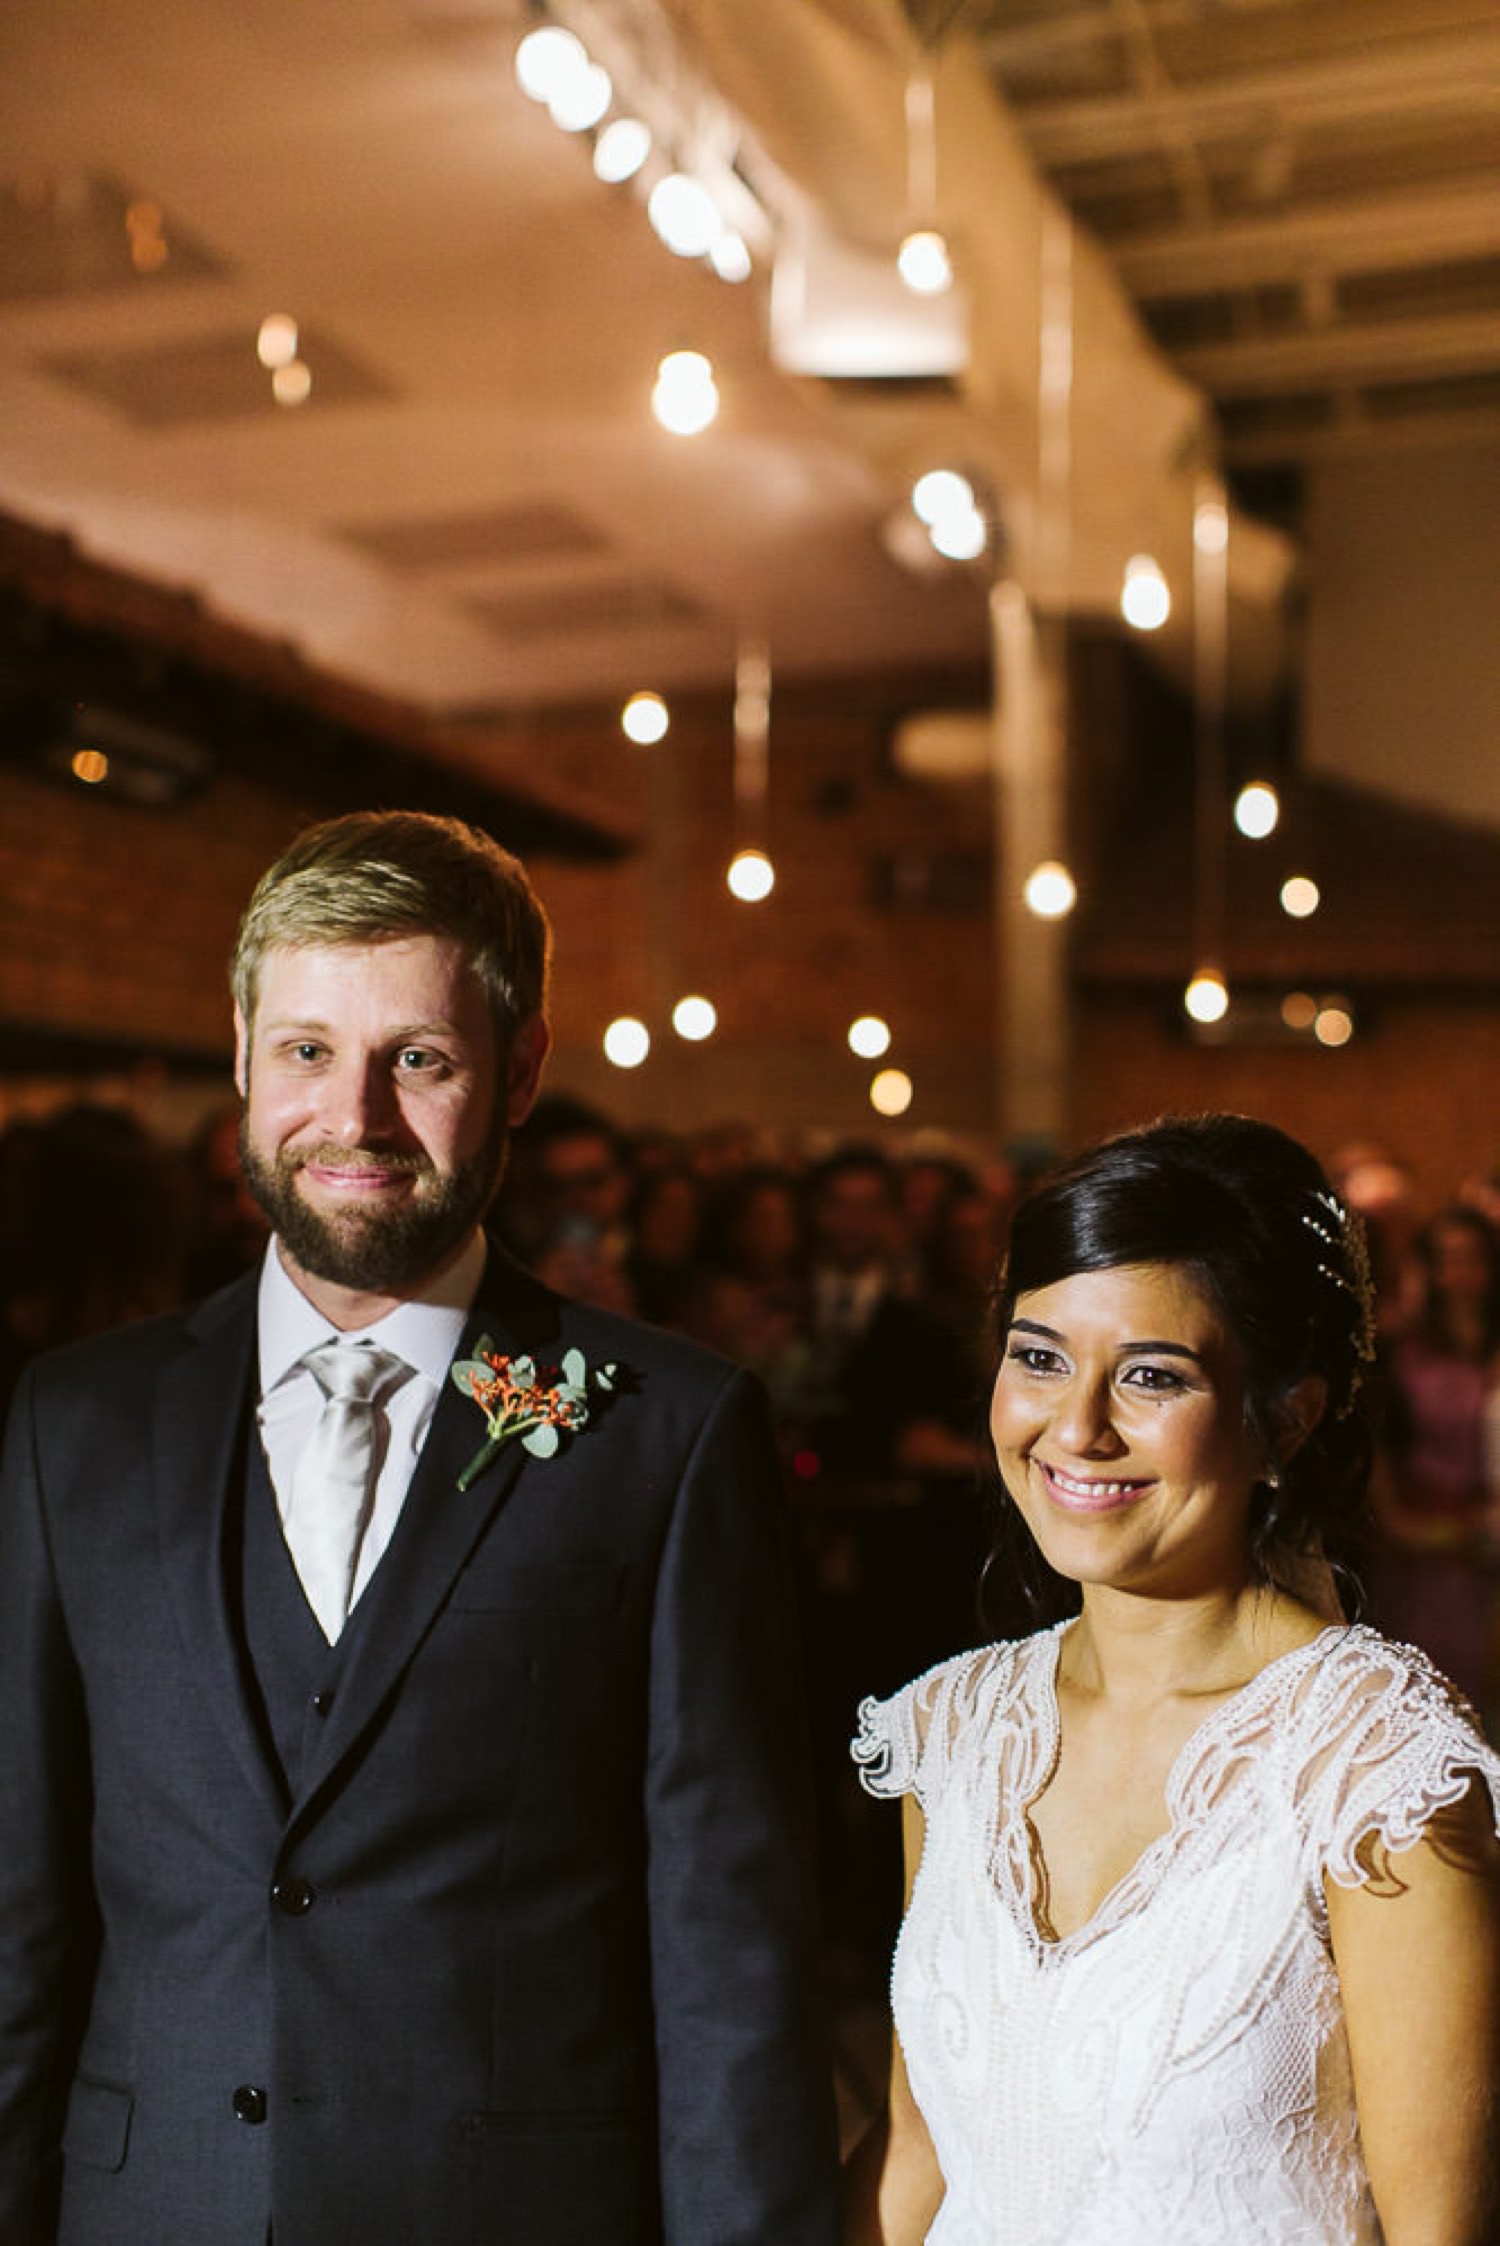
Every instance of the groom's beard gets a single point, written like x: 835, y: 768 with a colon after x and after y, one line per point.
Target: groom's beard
x: 376, y: 1251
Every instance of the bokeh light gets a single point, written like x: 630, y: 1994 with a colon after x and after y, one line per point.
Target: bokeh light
x: 891, y: 1092
x: 645, y: 719
x: 627, y: 1041
x: 695, y: 1018
x: 869, y: 1037
x: 751, y: 876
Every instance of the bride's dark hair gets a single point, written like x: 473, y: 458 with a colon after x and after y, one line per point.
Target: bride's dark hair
x: 1250, y: 1213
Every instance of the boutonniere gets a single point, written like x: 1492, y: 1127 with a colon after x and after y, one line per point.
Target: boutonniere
x: 539, y: 1403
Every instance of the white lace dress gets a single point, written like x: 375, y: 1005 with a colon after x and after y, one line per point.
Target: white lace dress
x: 1176, y: 2072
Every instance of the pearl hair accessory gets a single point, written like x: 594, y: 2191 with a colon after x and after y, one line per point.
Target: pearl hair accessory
x: 1342, y: 1230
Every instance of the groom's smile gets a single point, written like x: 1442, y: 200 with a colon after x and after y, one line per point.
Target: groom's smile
x: 374, y: 1130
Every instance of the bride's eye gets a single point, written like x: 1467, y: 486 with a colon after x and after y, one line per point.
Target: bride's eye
x: 1156, y: 1380
x: 1035, y: 1357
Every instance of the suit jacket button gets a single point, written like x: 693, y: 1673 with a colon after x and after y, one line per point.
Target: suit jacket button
x: 322, y: 1702
x: 293, y: 1896
x: 249, y: 2103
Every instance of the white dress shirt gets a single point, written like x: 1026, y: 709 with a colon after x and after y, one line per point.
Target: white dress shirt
x: 424, y: 1333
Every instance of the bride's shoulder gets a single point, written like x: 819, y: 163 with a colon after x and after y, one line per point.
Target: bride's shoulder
x: 905, y: 1741
x: 1374, y: 1740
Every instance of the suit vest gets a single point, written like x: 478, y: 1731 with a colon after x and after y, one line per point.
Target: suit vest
x: 294, y: 1670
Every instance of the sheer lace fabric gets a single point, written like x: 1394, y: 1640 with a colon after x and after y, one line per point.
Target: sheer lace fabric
x: 1175, y: 2072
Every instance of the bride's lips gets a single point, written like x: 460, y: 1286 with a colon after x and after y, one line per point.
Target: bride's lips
x: 1091, y: 1493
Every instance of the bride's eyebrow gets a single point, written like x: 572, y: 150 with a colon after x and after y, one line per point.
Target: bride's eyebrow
x: 1125, y: 1349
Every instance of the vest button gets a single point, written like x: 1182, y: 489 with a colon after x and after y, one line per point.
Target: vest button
x: 322, y: 1702
x: 293, y: 1897
x: 249, y: 2103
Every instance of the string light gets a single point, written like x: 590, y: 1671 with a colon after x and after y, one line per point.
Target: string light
x: 548, y: 60
x: 684, y: 215
x: 291, y: 385
x: 869, y: 1037
x: 1050, y: 890
x: 276, y: 342
x: 685, y: 399
x: 891, y: 1092
x: 751, y: 877
x: 924, y: 263
x: 1207, y: 997
x: 1333, y: 1024
x: 1299, y: 1009
x: 730, y: 258
x: 695, y: 1018
x: 621, y: 149
x: 627, y: 1041
x: 1300, y: 896
x: 645, y: 719
x: 1145, y: 597
x: 1257, y: 808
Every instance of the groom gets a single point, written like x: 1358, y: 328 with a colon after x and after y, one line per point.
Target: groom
x: 402, y: 1831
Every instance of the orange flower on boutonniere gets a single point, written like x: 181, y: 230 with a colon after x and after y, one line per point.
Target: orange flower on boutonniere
x: 540, y: 1404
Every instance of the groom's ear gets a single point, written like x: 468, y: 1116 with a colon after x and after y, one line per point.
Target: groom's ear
x: 523, y: 1068
x: 241, y: 1053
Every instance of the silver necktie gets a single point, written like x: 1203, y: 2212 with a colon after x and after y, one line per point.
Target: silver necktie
x: 333, y: 1485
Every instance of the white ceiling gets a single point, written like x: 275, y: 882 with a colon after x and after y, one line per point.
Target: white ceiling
x: 475, y: 509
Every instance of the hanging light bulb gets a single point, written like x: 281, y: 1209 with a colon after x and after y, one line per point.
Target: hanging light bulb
x: 1207, y: 996
x: 276, y: 342
x: 1256, y: 810
x: 1333, y: 1023
x: 578, y: 106
x: 960, y: 537
x: 751, y: 876
x: 645, y: 719
x: 627, y: 1041
x: 891, y: 1092
x: 1145, y: 598
x: 1050, y: 891
x: 684, y: 215
x: 941, y: 494
x: 869, y: 1037
x: 686, y: 397
x: 924, y: 263
x: 291, y: 385
x: 695, y: 1018
x: 547, y: 61
x: 1300, y: 896
x: 730, y: 258
x: 1211, y: 527
x: 621, y: 149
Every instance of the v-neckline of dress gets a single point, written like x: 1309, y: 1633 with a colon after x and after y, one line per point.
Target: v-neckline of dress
x: 1016, y: 1850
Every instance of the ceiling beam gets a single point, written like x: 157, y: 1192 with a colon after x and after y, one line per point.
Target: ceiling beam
x: 1373, y: 351
x: 1357, y: 434
x: 1366, y: 234
x: 1438, y: 71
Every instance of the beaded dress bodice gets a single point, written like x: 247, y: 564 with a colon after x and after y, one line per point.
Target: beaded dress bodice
x: 1175, y: 2072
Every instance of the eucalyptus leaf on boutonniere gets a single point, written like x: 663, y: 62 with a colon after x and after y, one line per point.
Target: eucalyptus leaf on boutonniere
x: 538, y: 1404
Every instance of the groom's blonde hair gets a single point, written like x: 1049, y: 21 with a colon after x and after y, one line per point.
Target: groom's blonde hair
x: 373, y: 875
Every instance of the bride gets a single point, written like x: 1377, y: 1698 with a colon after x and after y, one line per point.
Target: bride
x: 1202, y: 1942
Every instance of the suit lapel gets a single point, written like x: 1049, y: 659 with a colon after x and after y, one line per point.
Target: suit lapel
x: 440, y: 1524
x: 199, y: 1423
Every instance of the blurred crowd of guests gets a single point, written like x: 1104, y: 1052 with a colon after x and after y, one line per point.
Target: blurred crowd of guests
x: 858, y: 1288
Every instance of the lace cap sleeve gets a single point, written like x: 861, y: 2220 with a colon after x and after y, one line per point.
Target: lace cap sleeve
x: 1392, y: 1744
x: 904, y: 1744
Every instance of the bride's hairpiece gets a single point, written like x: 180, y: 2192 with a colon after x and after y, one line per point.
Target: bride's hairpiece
x: 1341, y: 1231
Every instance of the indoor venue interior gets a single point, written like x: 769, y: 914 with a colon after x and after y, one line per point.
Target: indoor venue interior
x: 958, y: 540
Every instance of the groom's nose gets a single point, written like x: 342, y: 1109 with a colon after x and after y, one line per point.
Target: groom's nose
x: 360, y: 1102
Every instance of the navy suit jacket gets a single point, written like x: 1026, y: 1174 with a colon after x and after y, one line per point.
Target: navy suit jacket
x: 530, y: 1957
